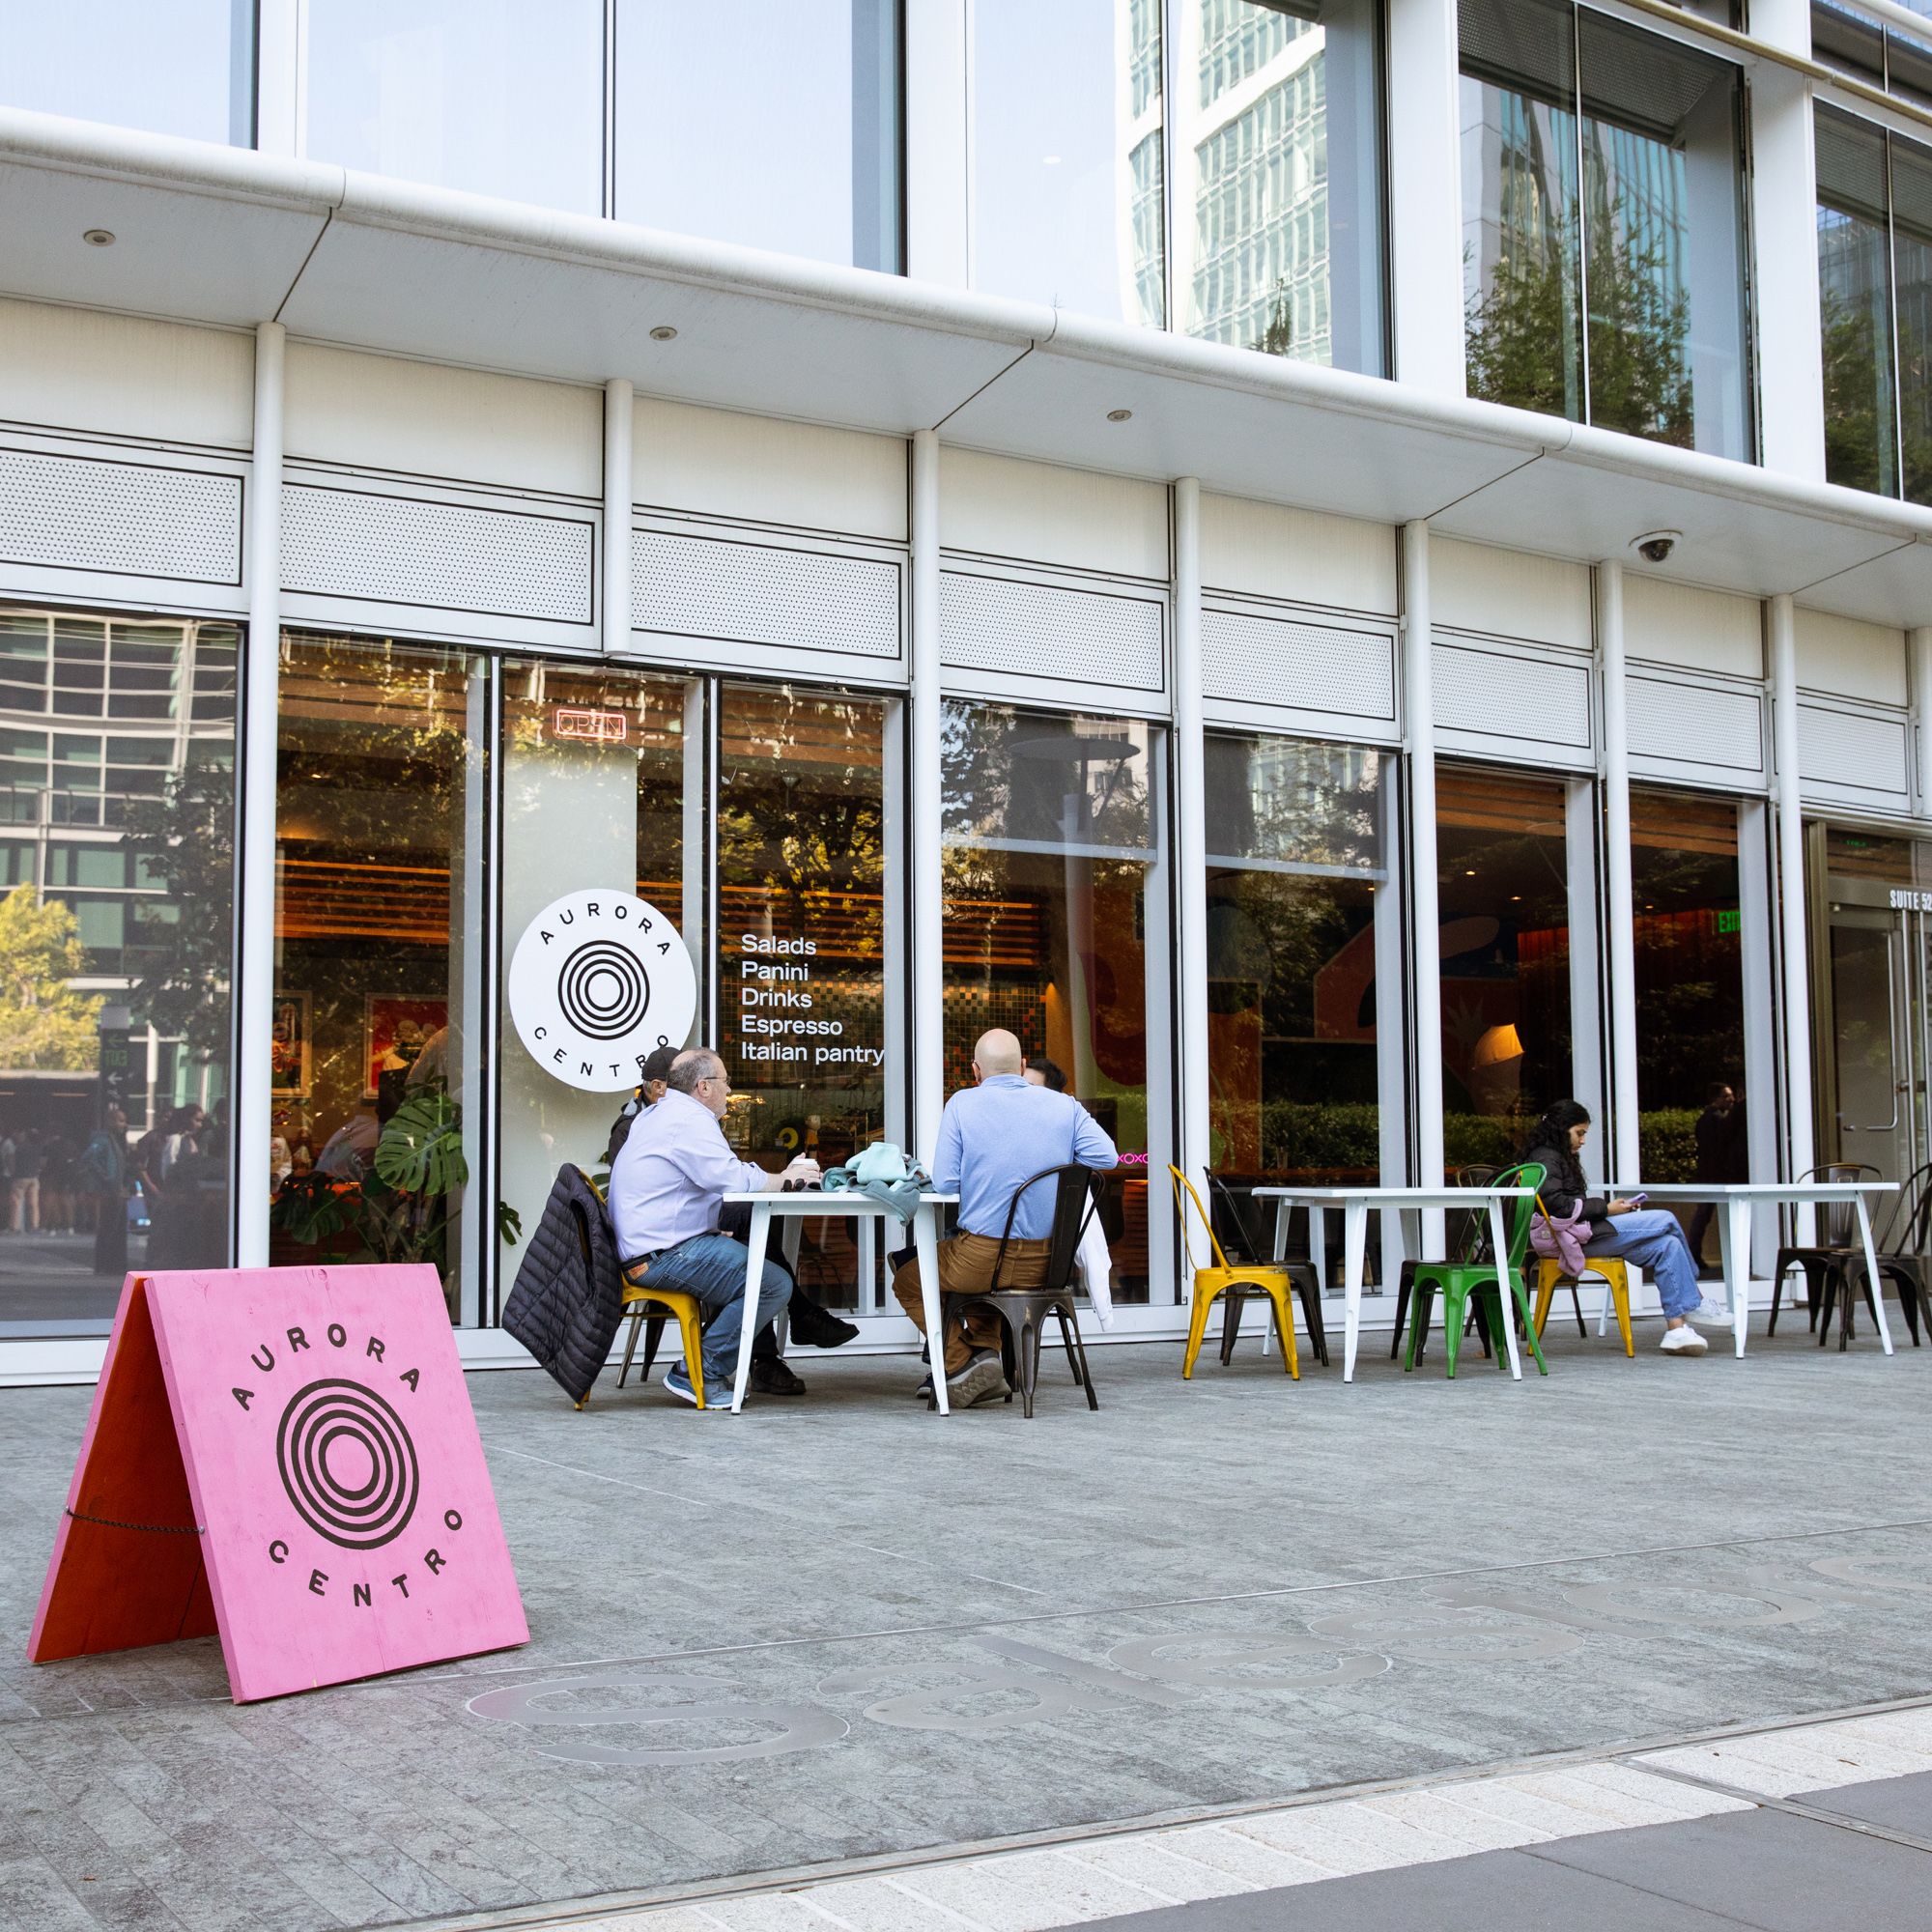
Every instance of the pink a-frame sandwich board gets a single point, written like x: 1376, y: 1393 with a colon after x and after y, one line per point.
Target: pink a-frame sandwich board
x: 287, y: 1456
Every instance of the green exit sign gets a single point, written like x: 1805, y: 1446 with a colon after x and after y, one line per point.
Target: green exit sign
x: 1727, y: 921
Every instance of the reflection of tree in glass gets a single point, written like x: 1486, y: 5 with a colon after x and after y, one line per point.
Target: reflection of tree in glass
x: 1854, y: 389
x: 185, y: 841
x: 800, y: 815
x: 1516, y: 333
x: 44, y: 1023
x: 1009, y: 775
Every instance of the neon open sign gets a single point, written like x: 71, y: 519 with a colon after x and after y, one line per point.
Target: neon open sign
x: 599, y: 727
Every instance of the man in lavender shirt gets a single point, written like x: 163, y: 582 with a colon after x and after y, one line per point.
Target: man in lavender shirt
x: 666, y: 1184
x: 992, y: 1137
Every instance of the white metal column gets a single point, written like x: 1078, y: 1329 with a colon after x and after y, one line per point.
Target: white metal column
x: 1791, y: 896
x: 1190, y: 844
x: 1425, y: 195
x: 1620, y: 953
x: 619, y: 416
x: 1918, y: 646
x: 255, y: 873
x: 1419, y: 707
x: 927, y: 1042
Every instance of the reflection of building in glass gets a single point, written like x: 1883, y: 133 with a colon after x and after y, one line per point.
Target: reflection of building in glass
x: 1145, y: 255
x: 99, y: 720
x: 1261, y: 213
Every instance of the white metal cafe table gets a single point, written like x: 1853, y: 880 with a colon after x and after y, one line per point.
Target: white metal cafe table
x: 1734, y: 1228
x: 814, y: 1205
x: 1355, y: 1203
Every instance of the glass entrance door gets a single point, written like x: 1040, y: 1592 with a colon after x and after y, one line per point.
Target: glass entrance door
x: 1874, y: 994
x: 1871, y: 1039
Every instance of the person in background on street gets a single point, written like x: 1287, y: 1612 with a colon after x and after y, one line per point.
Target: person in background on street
x: 1649, y: 1237
x: 102, y: 1170
x: 1722, y: 1155
x: 1040, y: 1071
x: 24, y: 1190
x: 666, y: 1185
x: 994, y: 1136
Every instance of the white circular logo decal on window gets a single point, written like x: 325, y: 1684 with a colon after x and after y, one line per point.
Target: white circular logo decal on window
x: 599, y: 981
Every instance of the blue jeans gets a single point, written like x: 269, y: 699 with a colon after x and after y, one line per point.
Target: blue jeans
x: 1654, y: 1241
x: 712, y: 1267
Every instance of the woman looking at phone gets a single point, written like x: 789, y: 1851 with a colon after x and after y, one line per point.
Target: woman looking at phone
x: 1626, y: 1229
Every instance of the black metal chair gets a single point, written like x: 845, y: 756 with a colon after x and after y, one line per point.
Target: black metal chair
x: 1901, y: 1243
x: 1465, y: 1238
x: 1838, y: 1220
x: 1021, y: 1310
x: 1242, y: 1247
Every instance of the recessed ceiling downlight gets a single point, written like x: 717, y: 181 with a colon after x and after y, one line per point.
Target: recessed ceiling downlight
x: 99, y: 237
x: 1120, y: 416
x: 663, y: 332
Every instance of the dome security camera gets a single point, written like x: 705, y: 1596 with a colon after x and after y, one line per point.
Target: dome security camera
x: 1655, y: 546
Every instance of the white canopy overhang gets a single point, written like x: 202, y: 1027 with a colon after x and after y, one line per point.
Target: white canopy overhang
x: 223, y: 235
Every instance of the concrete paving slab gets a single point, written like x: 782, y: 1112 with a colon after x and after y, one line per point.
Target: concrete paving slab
x: 929, y: 1631
x: 1898, y: 1803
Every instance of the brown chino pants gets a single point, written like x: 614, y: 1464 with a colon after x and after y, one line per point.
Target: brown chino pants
x: 966, y: 1267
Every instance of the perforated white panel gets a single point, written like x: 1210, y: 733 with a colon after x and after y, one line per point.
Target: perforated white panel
x: 1839, y: 748
x: 1039, y: 630
x: 1311, y: 666
x: 1720, y: 728
x: 1542, y: 700
x: 83, y: 514
x: 392, y: 549
x: 705, y: 588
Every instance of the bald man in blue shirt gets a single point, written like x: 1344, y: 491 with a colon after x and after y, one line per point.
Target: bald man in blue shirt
x: 993, y: 1136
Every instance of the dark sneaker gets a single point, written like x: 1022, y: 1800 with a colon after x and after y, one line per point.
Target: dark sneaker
x: 817, y: 1327
x: 772, y: 1378
x: 984, y: 1375
x: 923, y: 1393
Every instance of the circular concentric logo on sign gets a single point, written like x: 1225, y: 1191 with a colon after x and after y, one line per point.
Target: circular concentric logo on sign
x: 348, y: 1463
x: 599, y: 981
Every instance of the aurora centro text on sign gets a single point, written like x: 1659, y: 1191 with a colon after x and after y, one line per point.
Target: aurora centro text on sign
x: 777, y: 1017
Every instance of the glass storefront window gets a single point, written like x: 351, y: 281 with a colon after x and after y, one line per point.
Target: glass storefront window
x: 1067, y: 203
x: 185, y: 68
x: 1056, y: 928
x: 1875, y: 289
x: 381, y: 909
x: 1278, y: 148
x: 808, y: 936
x: 1503, y: 902
x: 791, y: 143
x: 1688, y: 948
x: 1292, y: 900
x: 484, y: 95
x: 116, y: 822
x: 605, y: 785
x: 1603, y: 243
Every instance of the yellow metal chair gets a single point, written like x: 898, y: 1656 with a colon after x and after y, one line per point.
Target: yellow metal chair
x: 656, y: 1306
x: 1211, y: 1283
x: 1607, y: 1269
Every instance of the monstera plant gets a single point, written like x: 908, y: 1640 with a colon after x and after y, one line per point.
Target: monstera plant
x: 400, y: 1209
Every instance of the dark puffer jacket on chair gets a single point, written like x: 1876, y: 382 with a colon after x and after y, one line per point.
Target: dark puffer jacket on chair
x: 568, y: 1300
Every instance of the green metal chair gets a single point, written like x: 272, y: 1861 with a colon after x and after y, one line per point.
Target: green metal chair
x: 1461, y: 1283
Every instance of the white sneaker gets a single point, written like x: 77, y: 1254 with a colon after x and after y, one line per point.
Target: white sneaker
x: 1713, y: 1311
x: 1684, y: 1340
